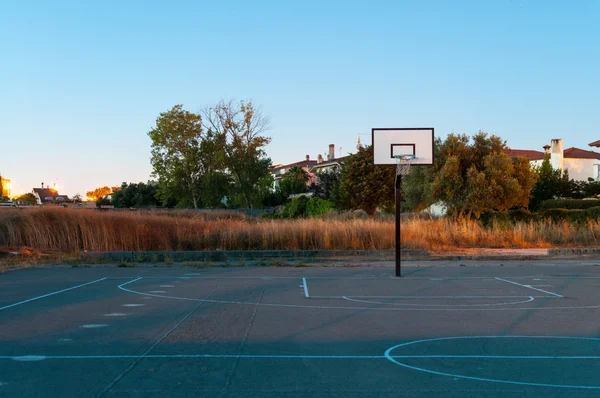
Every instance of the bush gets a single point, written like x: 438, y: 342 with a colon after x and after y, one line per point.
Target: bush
x: 567, y: 204
x: 521, y: 215
x: 571, y: 215
x: 593, y: 213
x: 317, y: 207
x: 506, y: 218
x: 296, y: 208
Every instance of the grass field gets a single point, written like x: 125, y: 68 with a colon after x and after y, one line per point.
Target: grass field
x: 70, y: 231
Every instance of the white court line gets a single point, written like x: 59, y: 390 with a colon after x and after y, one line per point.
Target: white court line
x: 529, y: 287
x: 305, y: 288
x: 363, y: 277
x: 440, y: 305
x: 50, y: 294
x: 350, y: 308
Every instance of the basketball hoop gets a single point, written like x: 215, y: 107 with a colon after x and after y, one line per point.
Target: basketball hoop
x: 403, y: 164
x: 404, y: 147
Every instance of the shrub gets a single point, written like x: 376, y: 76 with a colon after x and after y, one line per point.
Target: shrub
x: 317, y: 207
x: 572, y: 215
x: 593, y: 213
x: 296, y: 208
x: 519, y: 215
x: 568, y: 204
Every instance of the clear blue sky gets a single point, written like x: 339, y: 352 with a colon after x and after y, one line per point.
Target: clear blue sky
x: 82, y: 82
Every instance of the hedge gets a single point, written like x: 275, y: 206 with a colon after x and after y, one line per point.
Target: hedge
x: 569, y: 204
x: 593, y: 213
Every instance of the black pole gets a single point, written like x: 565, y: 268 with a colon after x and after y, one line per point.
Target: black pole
x: 398, y: 209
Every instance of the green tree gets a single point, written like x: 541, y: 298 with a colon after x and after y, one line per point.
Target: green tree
x: 187, y: 159
x: 293, y: 183
x: 26, y: 199
x: 551, y: 184
x: 474, y: 176
x: 365, y: 186
x: 240, y: 128
x: 328, y: 183
x: 136, y: 195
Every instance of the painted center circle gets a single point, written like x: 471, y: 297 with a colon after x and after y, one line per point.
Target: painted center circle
x: 538, y: 361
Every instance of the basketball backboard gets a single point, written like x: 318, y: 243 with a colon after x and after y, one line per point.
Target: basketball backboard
x: 391, y: 142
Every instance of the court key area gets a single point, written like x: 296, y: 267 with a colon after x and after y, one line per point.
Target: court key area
x: 522, y: 329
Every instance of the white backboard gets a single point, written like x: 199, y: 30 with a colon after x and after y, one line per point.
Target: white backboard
x: 388, y: 142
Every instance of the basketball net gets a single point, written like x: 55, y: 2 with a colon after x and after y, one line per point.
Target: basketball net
x: 403, y: 162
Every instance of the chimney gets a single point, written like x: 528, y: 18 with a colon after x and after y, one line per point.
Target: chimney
x: 331, y: 154
x: 557, y: 153
x: 547, y: 149
x: 307, y: 158
x: 42, y: 185
x: 319, y: 159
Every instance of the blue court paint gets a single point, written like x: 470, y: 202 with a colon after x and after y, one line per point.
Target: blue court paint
x: 29, y: 358
x: 394, y: 359
x: 50, y: 294
x: 528, y: 287
x: 193, y: 356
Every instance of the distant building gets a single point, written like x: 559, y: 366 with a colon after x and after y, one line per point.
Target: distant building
x: 47, y: 195
x: 5, y: 187
x: 310, y: 166
x: 580, y: 163
x: 279, y: 171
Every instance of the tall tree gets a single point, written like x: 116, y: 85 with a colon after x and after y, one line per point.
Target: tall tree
x: 551, y: 183
x: 186, y: 158
x: 294, y: 182
x: 328, y: 183
x: 136, y: 195
x: 473, y: 177
x: 240, y: 127
x: 364, y: 185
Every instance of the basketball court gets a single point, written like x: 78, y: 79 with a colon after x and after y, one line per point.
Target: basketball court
x: 480, y: 330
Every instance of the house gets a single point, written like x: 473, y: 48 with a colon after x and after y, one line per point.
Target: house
x: 48, y: 195
x: 330, y: 164
x: 580, y: 163
x: 5, y: 184
x: 310, y: 166
x: 279, y: 171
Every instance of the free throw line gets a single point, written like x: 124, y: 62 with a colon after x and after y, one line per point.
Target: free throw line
x: 528, y: 287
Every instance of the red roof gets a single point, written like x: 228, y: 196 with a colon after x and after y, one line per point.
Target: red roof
x: 529, y: 154
x: 595, y: 143
x: 304, y: 163
x: 576, y: 153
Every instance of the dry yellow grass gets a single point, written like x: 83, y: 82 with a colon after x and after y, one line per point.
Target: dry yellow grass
x: 68, y: 231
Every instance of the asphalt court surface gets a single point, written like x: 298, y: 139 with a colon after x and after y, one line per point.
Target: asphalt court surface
x: 521, y: 329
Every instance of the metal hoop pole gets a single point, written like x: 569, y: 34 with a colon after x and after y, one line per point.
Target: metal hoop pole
x: 398, y: 213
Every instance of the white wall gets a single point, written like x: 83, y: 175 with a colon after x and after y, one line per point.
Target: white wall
x: 582, y: 169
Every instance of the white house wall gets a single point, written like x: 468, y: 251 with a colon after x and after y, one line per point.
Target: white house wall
x: 582, y: 169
